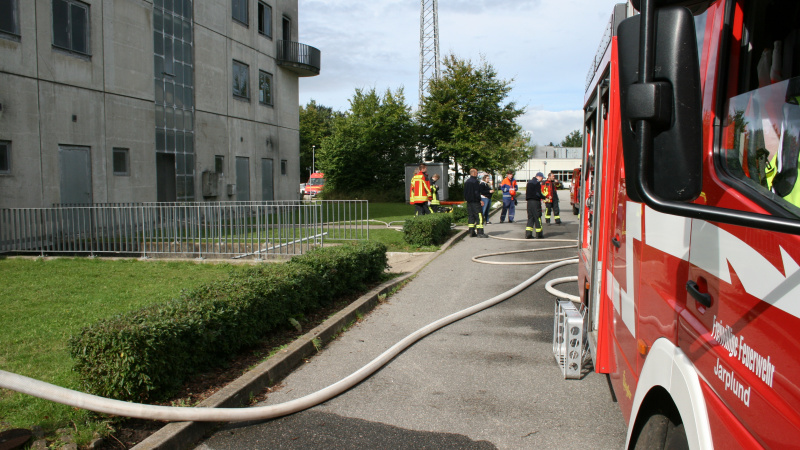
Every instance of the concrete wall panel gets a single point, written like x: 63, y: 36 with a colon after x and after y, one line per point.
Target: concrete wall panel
x: 239, y: 107
x: 19, y: 124
x: 212, y: 72
x: 212, y: 139
x: 128, y: 30
x: 214, y: 15
x: 59, y: 104
x: 19, y: 56
x: 70, y: 68
x: 130, y: 125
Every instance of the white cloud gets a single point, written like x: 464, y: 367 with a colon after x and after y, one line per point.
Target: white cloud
x: 550, y: 126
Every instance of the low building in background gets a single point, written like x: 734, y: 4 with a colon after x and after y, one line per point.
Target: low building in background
x: 559, y: 160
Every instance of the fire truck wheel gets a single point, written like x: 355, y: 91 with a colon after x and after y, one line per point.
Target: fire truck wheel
x: 575, y: 210
x: 660, y: 432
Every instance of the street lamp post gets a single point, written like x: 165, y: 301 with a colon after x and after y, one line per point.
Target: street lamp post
x: 313, y: 157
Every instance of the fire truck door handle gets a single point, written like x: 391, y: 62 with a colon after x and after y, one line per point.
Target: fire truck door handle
x: 615, y: 241
x: 704, y: 299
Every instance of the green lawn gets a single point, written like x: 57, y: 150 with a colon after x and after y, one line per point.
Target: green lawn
x: 44, y: 302
x: 388, y: 212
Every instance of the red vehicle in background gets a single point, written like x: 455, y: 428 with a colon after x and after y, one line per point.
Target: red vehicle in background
x: 575, y: 191
x: 315, y: 184
x: 689, y: 241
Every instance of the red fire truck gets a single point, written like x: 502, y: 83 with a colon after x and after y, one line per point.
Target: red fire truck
x: 690, y: 227
x: 575, y: 191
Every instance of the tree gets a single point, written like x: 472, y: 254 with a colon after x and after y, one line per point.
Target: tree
x: 512, y: 154
x: 465, y: 117
x: 573, y: 139
x: 370, y: 145
x: 316, y: 123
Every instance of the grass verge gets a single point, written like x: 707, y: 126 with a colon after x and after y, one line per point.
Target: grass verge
x: 44, y: 302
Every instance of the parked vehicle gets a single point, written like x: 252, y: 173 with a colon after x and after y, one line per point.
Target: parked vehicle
x: 689, y: 246
x: 575, y: 191
x: 315, y: 184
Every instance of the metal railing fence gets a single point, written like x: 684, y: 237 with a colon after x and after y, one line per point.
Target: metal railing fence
x: 299, y: 53
x: 209, y: 229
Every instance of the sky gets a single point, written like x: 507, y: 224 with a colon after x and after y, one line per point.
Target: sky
x: 543, y: 47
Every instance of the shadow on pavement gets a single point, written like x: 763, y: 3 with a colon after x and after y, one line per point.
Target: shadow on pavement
x: 319, y: 430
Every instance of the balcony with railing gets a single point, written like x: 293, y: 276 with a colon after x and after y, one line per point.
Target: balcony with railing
x: 302, y: 59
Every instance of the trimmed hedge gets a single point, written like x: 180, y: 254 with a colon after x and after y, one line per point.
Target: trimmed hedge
x: 460, y: 213
x: 148, y: 354
x: 430, y: 229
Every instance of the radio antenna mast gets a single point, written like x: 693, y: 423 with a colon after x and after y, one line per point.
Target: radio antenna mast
x: 428, y: 45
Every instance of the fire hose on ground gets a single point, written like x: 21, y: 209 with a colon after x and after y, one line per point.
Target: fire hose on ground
x: 99, y: 404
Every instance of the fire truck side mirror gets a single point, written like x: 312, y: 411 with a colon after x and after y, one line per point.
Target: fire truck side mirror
x: 670, y: 103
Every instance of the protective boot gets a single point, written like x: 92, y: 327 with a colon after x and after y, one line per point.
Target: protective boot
x: 472, y: 232
x: 481, y: 234
x: 539, y: 235
x: 558, y: 221
x: 528, y: 234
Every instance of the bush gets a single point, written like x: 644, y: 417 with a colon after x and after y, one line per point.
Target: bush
x: 430, y: 229
x: 460, y: 213
x: 149, y: 353
x: 456, y: 192
x: 344, y: 270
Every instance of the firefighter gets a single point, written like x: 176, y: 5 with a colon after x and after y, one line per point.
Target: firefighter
x: 534, y: 196
x: 434, y: 203
x: 550, y: 191
x: 420, y: 191
x: 509, y: 188
x: 472, y: 195
x: 782, y: 170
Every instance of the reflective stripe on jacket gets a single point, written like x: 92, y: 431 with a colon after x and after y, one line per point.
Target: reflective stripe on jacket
x: 420, y: 189
x: 434, y: 194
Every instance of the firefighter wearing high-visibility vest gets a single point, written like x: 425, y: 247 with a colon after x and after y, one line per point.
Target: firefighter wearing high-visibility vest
x: 550, y: 191
x: 509, y: 188
x: 434, y: 203
x: 783, y: 170
x: 420, y: 191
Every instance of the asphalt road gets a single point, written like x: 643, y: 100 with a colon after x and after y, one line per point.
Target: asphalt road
x: 488, y: 381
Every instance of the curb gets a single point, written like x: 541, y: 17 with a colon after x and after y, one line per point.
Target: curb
x: 181, y: 435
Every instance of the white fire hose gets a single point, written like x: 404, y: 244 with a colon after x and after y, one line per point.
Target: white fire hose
x: 99, y: 404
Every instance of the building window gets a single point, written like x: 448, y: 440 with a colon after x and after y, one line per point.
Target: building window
x: 265, y: 19
x: 283, y: 167
x: 241, y: 80
x: 265, y: 87
x: 240, y: 13
x: 5, y: 157
x: 9, y: 17
x: 121, y: 161
x: 71, y: 26
x: 219, y: 164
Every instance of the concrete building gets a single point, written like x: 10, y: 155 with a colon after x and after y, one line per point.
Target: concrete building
x: 106, y: 101
x: 559, y: 160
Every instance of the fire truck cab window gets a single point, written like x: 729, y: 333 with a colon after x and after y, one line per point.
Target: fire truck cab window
x: 761, y: 137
